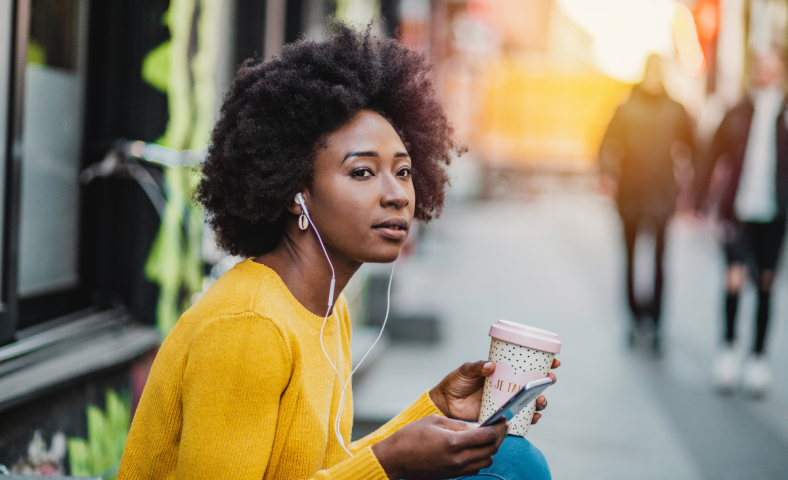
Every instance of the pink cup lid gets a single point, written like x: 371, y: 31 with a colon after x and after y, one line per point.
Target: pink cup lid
x: 526, y: 336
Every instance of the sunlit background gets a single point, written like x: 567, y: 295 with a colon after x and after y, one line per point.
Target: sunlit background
x: 106, y: 108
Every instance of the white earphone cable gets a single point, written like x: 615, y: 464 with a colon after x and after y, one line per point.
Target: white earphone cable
x: 338, y: 419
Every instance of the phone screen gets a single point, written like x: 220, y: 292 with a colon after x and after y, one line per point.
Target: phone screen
x: 519, y: 401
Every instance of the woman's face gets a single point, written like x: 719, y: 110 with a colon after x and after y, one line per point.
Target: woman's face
x: 362, y: 199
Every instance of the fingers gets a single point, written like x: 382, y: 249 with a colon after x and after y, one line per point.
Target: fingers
x: 541, y: 404
x: 471, y: 455
x: 477, y: 436
x: 450, y: 423
x: 481, y: 368
x: 556, y: 364
x: 475, y: 454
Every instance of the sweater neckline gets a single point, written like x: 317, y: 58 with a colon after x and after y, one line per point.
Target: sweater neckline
x: 315, y: 321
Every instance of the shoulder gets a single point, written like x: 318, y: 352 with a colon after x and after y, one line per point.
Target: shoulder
x: 248, y: 330
x: 677, y: 106
x: 680, y: 114
x: 248, y: 288
x: 245, y: 344
x: 235, y: 291
x: 243, y: 315
x: 623, y: 108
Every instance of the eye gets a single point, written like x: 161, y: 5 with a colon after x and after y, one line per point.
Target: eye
x: 362, y: 172
x: 404, y: 172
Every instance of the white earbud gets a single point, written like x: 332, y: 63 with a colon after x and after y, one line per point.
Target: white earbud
x: 299, y: 199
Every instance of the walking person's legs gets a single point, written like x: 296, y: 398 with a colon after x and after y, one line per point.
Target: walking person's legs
x: 630, y: 225
x: 766, y: 280
x: 659, y: 274
x: 727, y: 366
x: 767, y: 239
x: 735, y: 277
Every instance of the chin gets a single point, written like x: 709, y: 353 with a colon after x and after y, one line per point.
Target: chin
x: 384, y: 255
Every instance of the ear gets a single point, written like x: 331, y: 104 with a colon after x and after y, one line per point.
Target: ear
x: 293, y: 207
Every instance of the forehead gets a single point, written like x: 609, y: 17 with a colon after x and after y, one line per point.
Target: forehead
x: 367, y: 130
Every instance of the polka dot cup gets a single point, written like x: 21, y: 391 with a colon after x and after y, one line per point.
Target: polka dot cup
x: 521, y: 354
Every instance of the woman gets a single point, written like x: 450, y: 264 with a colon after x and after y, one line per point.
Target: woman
x: 242, y: 387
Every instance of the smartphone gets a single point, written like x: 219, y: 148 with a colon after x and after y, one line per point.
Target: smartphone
x: 519, y: 401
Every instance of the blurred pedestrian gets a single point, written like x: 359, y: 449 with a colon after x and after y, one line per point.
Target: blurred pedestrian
x: 637, y: 168
x: 753, y: 140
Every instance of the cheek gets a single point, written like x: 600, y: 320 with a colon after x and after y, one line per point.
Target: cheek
x: 350, y: 206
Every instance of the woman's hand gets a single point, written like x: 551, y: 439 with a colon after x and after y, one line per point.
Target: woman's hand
x: 438, y: 447
x: 459, y: 395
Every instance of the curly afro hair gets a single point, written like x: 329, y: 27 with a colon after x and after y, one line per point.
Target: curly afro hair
x: 276, y: 114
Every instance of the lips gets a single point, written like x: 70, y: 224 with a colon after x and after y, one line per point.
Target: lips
x: 394, y: 228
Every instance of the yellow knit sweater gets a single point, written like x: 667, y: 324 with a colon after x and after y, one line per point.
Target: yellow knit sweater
x: 241, y: 389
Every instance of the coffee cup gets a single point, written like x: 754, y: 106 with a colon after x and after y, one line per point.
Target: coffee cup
x: 521, y: 354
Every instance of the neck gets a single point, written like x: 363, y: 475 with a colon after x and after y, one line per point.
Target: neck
x: 300, y: 262
x: 652, y: 90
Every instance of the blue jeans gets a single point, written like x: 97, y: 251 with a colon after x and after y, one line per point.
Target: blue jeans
x: 517, y: 459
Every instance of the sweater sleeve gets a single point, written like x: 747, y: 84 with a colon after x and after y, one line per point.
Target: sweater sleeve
x: 235, y: 372
x: 237, y: 369
x: 364, y: 464
x: 421, y: 408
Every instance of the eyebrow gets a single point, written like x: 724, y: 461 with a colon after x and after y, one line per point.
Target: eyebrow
x: 370, y: 153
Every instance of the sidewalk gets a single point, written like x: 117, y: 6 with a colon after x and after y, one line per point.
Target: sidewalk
x: 556, y: 264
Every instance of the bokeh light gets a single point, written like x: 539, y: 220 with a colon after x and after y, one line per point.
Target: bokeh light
x: 688, y: 48
x: 625, y: 32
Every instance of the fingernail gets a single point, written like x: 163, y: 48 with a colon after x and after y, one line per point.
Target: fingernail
x: 487, y: 365
x: 544, y: 404
x: 508, y: 426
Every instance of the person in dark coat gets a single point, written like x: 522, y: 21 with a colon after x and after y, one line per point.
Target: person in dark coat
x: 753, y: 141
x: 637, y: 168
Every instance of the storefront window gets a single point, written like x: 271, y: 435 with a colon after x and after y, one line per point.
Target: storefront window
x: 52, y: 141
x: 6, y: 32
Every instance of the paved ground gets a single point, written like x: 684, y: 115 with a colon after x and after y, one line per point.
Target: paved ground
x: 555, y: 262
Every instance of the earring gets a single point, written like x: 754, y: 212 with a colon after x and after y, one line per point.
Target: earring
x: 303, y: 223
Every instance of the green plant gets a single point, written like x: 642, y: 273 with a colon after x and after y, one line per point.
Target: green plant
x: 107, y: 431
x: 187, y: 75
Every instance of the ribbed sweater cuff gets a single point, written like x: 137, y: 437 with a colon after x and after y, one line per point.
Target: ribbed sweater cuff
x: 422, y: 407
x: 417, y: 410
x: 363, y: 465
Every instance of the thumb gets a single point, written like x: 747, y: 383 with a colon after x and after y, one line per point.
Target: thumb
x: 481, y: 368
x: 453, y: 425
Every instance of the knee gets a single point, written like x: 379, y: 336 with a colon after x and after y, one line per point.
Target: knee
x: 766, y: 280
x: 735, y: 278
x: 519, y: 458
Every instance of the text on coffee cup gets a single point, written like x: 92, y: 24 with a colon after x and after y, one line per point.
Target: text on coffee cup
x: 508, y: 387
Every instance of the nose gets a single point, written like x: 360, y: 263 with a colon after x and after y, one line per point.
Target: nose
x: 392, y: 193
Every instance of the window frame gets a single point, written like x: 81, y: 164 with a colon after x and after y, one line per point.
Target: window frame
x: 16, y: 312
